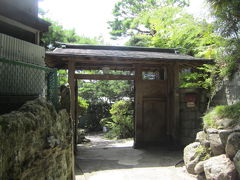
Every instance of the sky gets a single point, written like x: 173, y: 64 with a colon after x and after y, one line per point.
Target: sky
x: 89, y: 17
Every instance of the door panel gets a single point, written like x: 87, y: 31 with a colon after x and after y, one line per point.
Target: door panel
x: 154, y: 106
x: 154, y: 121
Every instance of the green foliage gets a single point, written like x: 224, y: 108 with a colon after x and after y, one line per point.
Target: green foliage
x: 121, y: 121
x: 95, y: 112
x: 171, y: 27
x: 222, y: 112
x: 57, y: 33
x: 203, y: 152
x: 227, y: 16
x: 83, y: 105
x: 125, y: 11
x: 100, y: 91
x: 201, y: 78
x: 62, y: 77
x: 227, y: 22
x: 228, y: 58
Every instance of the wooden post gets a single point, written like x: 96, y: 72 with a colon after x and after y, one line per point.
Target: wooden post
x: 176, y: 122
x: 71, y: 81
x: 76, y: 115
x: 169, y: 104
x: 138, y: 139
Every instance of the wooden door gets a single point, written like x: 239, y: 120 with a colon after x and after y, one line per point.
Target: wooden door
x: 154, y: 106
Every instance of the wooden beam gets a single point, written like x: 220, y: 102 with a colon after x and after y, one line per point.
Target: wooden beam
x: 104, y: 77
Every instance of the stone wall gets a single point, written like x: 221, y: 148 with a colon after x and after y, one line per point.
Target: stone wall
x: 229, y: 93
x: 215, y: 154
x: 191, y: 116
x: 36, y: 143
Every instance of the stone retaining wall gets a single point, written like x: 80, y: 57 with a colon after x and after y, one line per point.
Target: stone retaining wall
x: 229, y: 93
x: 36, y: 143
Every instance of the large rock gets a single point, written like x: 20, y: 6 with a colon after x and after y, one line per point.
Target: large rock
x: 211, y: 131
x: 233, y: 144
x: 216, y: 144
x: 220, y: 168
x: 236, y: 161
x: 65, y: 97
x: 36, y: 143
x: 199, y: 168
x: 191, y: 157
x: 225, y: 123
x: 201, y: 176
x: 202, y: 138
x: 223, y: 134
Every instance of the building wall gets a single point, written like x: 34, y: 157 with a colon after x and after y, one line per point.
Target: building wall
x: 29, y: 6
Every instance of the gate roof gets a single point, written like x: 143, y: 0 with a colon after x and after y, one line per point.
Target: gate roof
x: 116, y: 57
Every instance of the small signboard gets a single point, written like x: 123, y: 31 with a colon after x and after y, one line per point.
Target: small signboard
x: 191, y: 104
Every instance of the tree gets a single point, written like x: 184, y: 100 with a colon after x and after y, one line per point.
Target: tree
x: 125, y: 11
x: 108, y: 91
x: 57, y: 33
x: 227, y: 20
x: 120, y: 123
x: 173, y: 28
x: 227, y: 15
x: 101, y: 95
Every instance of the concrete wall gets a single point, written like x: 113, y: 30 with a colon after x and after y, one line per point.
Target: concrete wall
x: 29, y: 6
x: 36, y: 143
x: 191, y: 117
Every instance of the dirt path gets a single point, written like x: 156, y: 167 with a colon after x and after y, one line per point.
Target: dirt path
x: 104, y: 159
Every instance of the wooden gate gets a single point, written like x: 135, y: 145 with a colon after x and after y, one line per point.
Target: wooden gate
x: 153, y: 93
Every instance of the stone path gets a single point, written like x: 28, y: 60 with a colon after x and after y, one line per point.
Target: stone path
x: 104, y: 159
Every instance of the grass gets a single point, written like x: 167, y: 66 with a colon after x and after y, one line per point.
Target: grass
x: 222, y: 112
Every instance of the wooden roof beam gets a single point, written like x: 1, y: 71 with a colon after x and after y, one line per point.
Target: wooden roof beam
x: 104, y: 77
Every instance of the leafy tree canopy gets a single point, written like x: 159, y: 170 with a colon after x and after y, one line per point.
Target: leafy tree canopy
x: 227, y: 13
x: 96, y: 91
x: 171, y: 27
x: 227, y: 21
x: 57, y: 33
x: 125, y: 11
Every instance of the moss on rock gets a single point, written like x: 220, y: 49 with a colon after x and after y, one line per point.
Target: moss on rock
x: 26, y: 151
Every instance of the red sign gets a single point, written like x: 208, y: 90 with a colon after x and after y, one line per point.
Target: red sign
x: 191, y: 97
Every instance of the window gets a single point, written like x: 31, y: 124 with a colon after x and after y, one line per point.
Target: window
x: 158, y: 74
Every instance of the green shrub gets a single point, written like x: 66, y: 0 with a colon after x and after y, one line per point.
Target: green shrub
x: 222, y: 112
x: 95, y: 112
x: 83, y: 105
x: 120, y: 124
